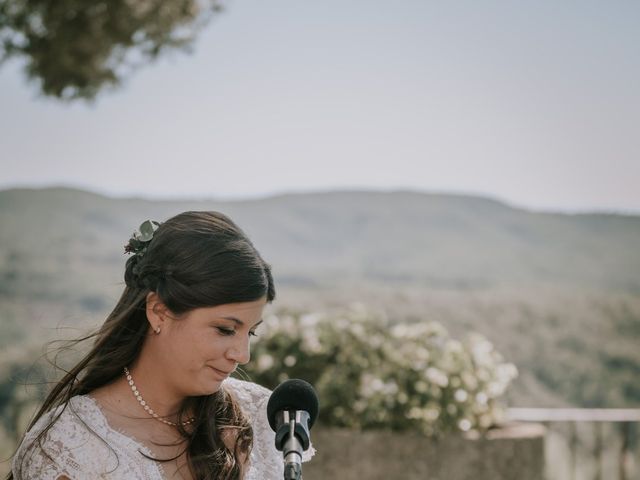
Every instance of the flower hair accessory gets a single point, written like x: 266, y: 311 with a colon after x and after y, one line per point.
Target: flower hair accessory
x: 139, y: 241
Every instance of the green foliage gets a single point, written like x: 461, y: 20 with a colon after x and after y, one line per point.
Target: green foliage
x: 75, y: 48
x: 372, y: 374
x: 140, y: 240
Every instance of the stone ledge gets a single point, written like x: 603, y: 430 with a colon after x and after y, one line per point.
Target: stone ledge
x: 513, y: 452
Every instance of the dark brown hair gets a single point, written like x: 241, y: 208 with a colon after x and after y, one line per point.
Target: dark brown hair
x: 195, y: 259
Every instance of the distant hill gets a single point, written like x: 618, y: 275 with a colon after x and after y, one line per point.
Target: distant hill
x: 558, y: 294
x: 327, y: 238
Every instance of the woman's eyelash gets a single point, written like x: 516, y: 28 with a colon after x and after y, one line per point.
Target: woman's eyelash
x: 228, y: 331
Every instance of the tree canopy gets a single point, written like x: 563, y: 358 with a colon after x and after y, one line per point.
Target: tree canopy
x: 76, y: 48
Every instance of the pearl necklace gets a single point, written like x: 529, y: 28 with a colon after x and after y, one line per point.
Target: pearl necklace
x: 146, y: 407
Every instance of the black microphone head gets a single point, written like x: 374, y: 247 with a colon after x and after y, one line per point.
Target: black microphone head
x: 293, y: 394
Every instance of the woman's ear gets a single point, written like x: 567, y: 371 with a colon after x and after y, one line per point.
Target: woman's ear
x: 156, y: 311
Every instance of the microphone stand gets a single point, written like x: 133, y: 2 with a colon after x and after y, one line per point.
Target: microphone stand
x: 292, y: 438
x: 292, y: 456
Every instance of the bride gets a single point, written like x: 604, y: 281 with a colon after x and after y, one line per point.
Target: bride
x: 153, y: 398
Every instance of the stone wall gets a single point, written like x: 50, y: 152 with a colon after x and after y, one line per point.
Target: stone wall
x: 513, y: 452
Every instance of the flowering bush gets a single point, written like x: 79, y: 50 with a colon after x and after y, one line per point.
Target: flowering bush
x: 370, y: 373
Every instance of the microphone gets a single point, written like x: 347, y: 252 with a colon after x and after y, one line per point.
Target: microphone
x: 292, y: 410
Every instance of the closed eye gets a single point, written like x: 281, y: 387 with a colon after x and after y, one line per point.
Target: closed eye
x: 226, y: 331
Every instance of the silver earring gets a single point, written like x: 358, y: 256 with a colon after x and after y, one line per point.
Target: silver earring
x: 157, y: 330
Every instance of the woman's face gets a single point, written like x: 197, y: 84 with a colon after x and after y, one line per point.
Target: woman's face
x: 201, y: 348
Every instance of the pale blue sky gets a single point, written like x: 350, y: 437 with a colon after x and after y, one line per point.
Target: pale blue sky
x: 535, y: 103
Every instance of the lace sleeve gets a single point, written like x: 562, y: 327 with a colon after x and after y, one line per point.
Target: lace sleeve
x: 265, y: 462
x: 80, y: 446
x: 48, y: 458
x: 33, y: 463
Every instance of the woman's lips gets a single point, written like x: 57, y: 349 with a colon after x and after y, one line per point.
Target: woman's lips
x: 221, y: 373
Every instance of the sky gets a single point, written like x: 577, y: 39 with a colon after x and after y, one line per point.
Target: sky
x: 533, y: 103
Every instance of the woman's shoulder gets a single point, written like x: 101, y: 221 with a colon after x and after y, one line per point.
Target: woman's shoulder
x: 246, y: 392
x: 246, y: 386
x: 60, y: 441
x: 77, y: 415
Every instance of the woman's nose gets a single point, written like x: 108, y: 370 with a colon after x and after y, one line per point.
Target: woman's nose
x: 240, y: 352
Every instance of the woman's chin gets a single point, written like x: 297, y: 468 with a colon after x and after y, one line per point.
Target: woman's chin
x: 209, y: 387
x: 208, y: 383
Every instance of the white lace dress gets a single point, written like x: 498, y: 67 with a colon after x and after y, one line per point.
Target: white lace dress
x: 80, y: 454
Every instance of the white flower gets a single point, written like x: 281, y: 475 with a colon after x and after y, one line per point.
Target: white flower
x: 437, y: 376
x: 377, y: 385
x: 421, y: 386
x: 496, y: 389
x: 360, y: 406
x: 310, y: 341
x: 482, y: 350
x: 464, y: 425
x: 310, y: 320
x: 432, y: 414
x: 390, y: 388
x: 485, y: 421
x: 400, y: 330
x: 460, y: 395
x: 506, y: 372
x: 265, y: 362
x: 453, y: 346
x: 414, y: 413
x: 469, y: 380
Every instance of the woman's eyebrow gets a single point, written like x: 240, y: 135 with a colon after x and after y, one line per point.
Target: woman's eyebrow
x: 240, y: 322
x: 234, y: 319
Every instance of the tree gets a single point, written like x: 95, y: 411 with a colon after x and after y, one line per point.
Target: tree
x: 76, y: 48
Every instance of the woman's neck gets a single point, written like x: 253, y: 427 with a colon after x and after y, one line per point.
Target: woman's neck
x: 153, y: 389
